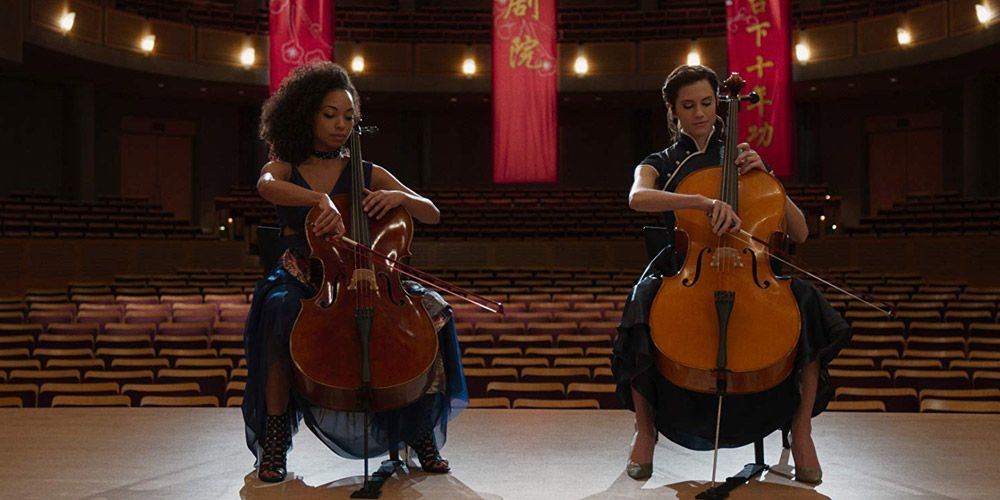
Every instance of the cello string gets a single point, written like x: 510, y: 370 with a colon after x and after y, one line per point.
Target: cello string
x: 723, y: 255
x: 734, y: 152
x: 372, y: 286
x: 355, y: 225
x: 730, y: 187
x: 358, y: 181
x: 727, y: 187
x: 814, y: 276
x: 726, y: 197
x: 356, y: 213
x: 733, y: 110
x: 420, y: 276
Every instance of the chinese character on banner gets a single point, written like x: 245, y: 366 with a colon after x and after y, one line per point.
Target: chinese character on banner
x: 525, y: 73
x: 522, y: 52
x: 760, y: 66
x: 520, y: 7
x: 759, y: 45
x: 760, y: 30
x: 761, y: 136
x: 759, y: 105
x: 300, y: 32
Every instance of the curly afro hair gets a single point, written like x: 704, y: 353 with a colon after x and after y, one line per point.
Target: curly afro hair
x: 287, y: 117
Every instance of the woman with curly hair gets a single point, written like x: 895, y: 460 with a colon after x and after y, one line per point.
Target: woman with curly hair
x: 307, y: 123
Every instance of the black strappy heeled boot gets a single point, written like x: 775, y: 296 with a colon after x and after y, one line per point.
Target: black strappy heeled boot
x: 274, y: 449
x: 429, y: 456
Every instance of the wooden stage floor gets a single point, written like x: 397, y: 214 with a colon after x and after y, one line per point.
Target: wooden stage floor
x: 193, y: 453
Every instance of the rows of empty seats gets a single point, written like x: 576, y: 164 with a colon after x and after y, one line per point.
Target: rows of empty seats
x: 551, y: 348
x: 470, y: 21
x: 128, y: 376
x: 142, y: 340
x: 520, y: 213
x: 208, y: 13
x: 182, y: 317
x: 122, y: 364
x: 949, y: 321
x: 842, y: 11
x: 939, y: 352
x: 548, y: 347
x: 942, y: 213
x: 44, y: 216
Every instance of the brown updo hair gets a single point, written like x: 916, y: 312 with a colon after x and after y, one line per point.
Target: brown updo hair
x: 682, y: 76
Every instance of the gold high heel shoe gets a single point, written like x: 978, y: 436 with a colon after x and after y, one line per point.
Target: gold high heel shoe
x: 639, y: 471
x: 809, y: 475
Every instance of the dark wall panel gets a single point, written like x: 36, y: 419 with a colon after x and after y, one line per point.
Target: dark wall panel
x: 32, y: 135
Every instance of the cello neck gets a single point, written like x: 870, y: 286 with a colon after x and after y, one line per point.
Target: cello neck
x: 359, y: 221
x: 730, y: 99
x: 730, y: 172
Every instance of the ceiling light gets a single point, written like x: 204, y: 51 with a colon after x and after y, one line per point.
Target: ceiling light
x: 67, y: 20
x: 802, y: 52
x: 248, y: 56
x: 903, y: 36
x: 469, y: 66
x: 148, y: 43
x: 984, y: 13
x: 694, y: 58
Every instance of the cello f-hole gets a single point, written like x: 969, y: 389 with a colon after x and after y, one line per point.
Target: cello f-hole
x: 697, y: 270
x: 753, y: 267
x: 391, y: 289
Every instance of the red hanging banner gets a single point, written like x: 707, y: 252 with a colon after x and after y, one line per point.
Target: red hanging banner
x: 760, y: 51
x: 525, y: 72
x: 301, y: 31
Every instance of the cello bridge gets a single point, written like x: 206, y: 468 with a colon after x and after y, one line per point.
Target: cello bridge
x: 727, y: 257
x: 363, y: 276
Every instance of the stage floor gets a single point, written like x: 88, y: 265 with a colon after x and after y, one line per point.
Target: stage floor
x: 192, y: 453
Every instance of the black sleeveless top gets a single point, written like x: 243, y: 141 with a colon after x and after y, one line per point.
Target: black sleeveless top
x: 295, y: 217
x: 678, y: 161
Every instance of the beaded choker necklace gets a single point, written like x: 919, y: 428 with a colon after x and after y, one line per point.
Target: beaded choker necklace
x: 329, y: 155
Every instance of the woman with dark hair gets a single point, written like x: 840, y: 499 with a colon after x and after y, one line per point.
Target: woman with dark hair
x: 686, y: 417
x: 307, y: 123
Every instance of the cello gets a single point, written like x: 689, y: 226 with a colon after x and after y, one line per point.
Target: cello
x: 724, y: 323
x: 363, y: 343
x: 382, y: 358
x: 727, y: 283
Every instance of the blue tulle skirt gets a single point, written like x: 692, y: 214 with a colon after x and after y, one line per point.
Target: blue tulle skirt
x: 272, y: 315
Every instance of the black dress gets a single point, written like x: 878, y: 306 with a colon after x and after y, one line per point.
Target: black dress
x: 688, y: 418
x: 276, y: 304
